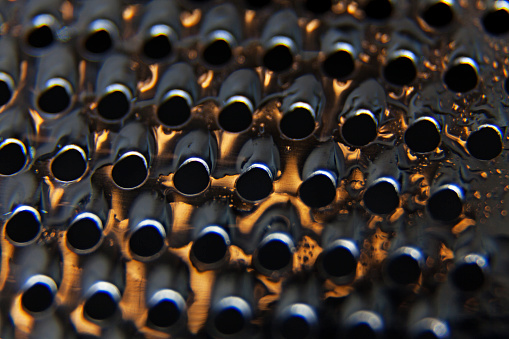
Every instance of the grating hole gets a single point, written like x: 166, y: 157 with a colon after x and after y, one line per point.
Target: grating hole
x: 297, y: 124
x: 40, y: 37
x: 422, y: 136
x: 98, y: 42
x: 274, y: 255
x: 485, y: 143
x: 146, y: 241
x: 5, y: 93
x: 191, y: 178
x: 461, y: 78
x: 445, y: 205
x: 378, y: 9
x: 217, y: 53
x: 54, y: 100
x: 361, y: 331
x: 381, y: 198
x: 84, y: 234
x: 157, y: 47
x: 400, y: 71
x: 339, y: 262
x: 37, y: 298
x: 174, y: 112
x: 278, y: 59
x: 23, y: 227
x: 164, y: 314
x: 100, y: 306
x: 428, y: 334
x: 129, y: 172
x: 468, y: 277
x: 235, y: 117
x: 254, y: 185
x: 69, y: 165
x: 359, y: 130
x: 210, y: 248
x: 496, y: 22
x: 318, y: 6
x: 113, y: 106
x: 403, y: 269
x: 339, y: 64
x: 12, y: 158
x: 438, y: 15
x: 229, y: 321
x: 295, y: 327
x: 317, y: 191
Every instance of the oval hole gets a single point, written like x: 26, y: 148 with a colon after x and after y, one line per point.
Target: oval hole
x: 85, y: 232
x: 56, y: 98
x: 157, y: 47
x: 165, y: 313
x: 278, y: 58
x: 339, y: 64
x: 13, y: 156
x: 210, y: 248
x: 147, y: 240
x: 130, y: 171
x: 361, y: 331
x: 461, y: 77
x: 115, y: 104
x: 400, y: 71
x: 359, y: 130
x: 438, y: 15
x: 38, y: 297
x: 229, y: 321
x: 339, y: 262
x: 191, y: 178
x: 485, y: 143
x: 468, y: 277
x: 98, y: 42
x: 403, y: 269
x: 100, y: 306
x: 254, y: 184
x: 296, y: 326
x: 318, y: 6
x: 235, y: 117
x: 445, y: 205
x: 40, y: 37
x: 274, y: 255
x: 381, y: 197
x: 175, y: 110
x: 378, y: 9
x: 24, y: 226
x: 69, y: 164
x: 317, y: 191
x: 217, y: 53
x: 496, y: 22
x: 298, y: 123
x: 423, y: 136
x: 6, y: 88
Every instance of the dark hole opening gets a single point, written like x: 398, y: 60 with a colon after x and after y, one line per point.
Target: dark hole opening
x: 297, y: 124
x: 235, y: 117
x: 217, y: 53
x: 146, y: 241
x: 192, y: 178
x: 37, y: 298
x: 295, y: 327
x: 113, y: 106
x: 210, y: 248
x: 438, y: 15
x: 98, y: 42
x: 378, y: 9
x: 403, y: 269
x: 381, y: 198
x: 339, y: 262
x: 22, y: 227
x: 468, y: 277
x: 485, y: 144
x: 400, y: 71
x: 496, y: 22
x: 174, y: 111
x: 359, y: 130
x: 428, y: 334
x: 361, y: 331
x: 12, y: 158
x: 54, y: 100
x: 84, y: 234
x: 339, y: 64
x: 257, y: 3
x: 254, y: 184
x: 164, y: 314
x: 278, y: 59
x: 68, y: 165
x: 100, y: 306
x: 5, y: 93
x: 274, y: 255
x: 317, y: 191
x: 422, y: 136
x: 40, y: 37
x: 229, y: 321
x: 157, y: 47
x: 461, y: 78
x: 445, y: 205
x: 129, y: 172
x: 318, y: 6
